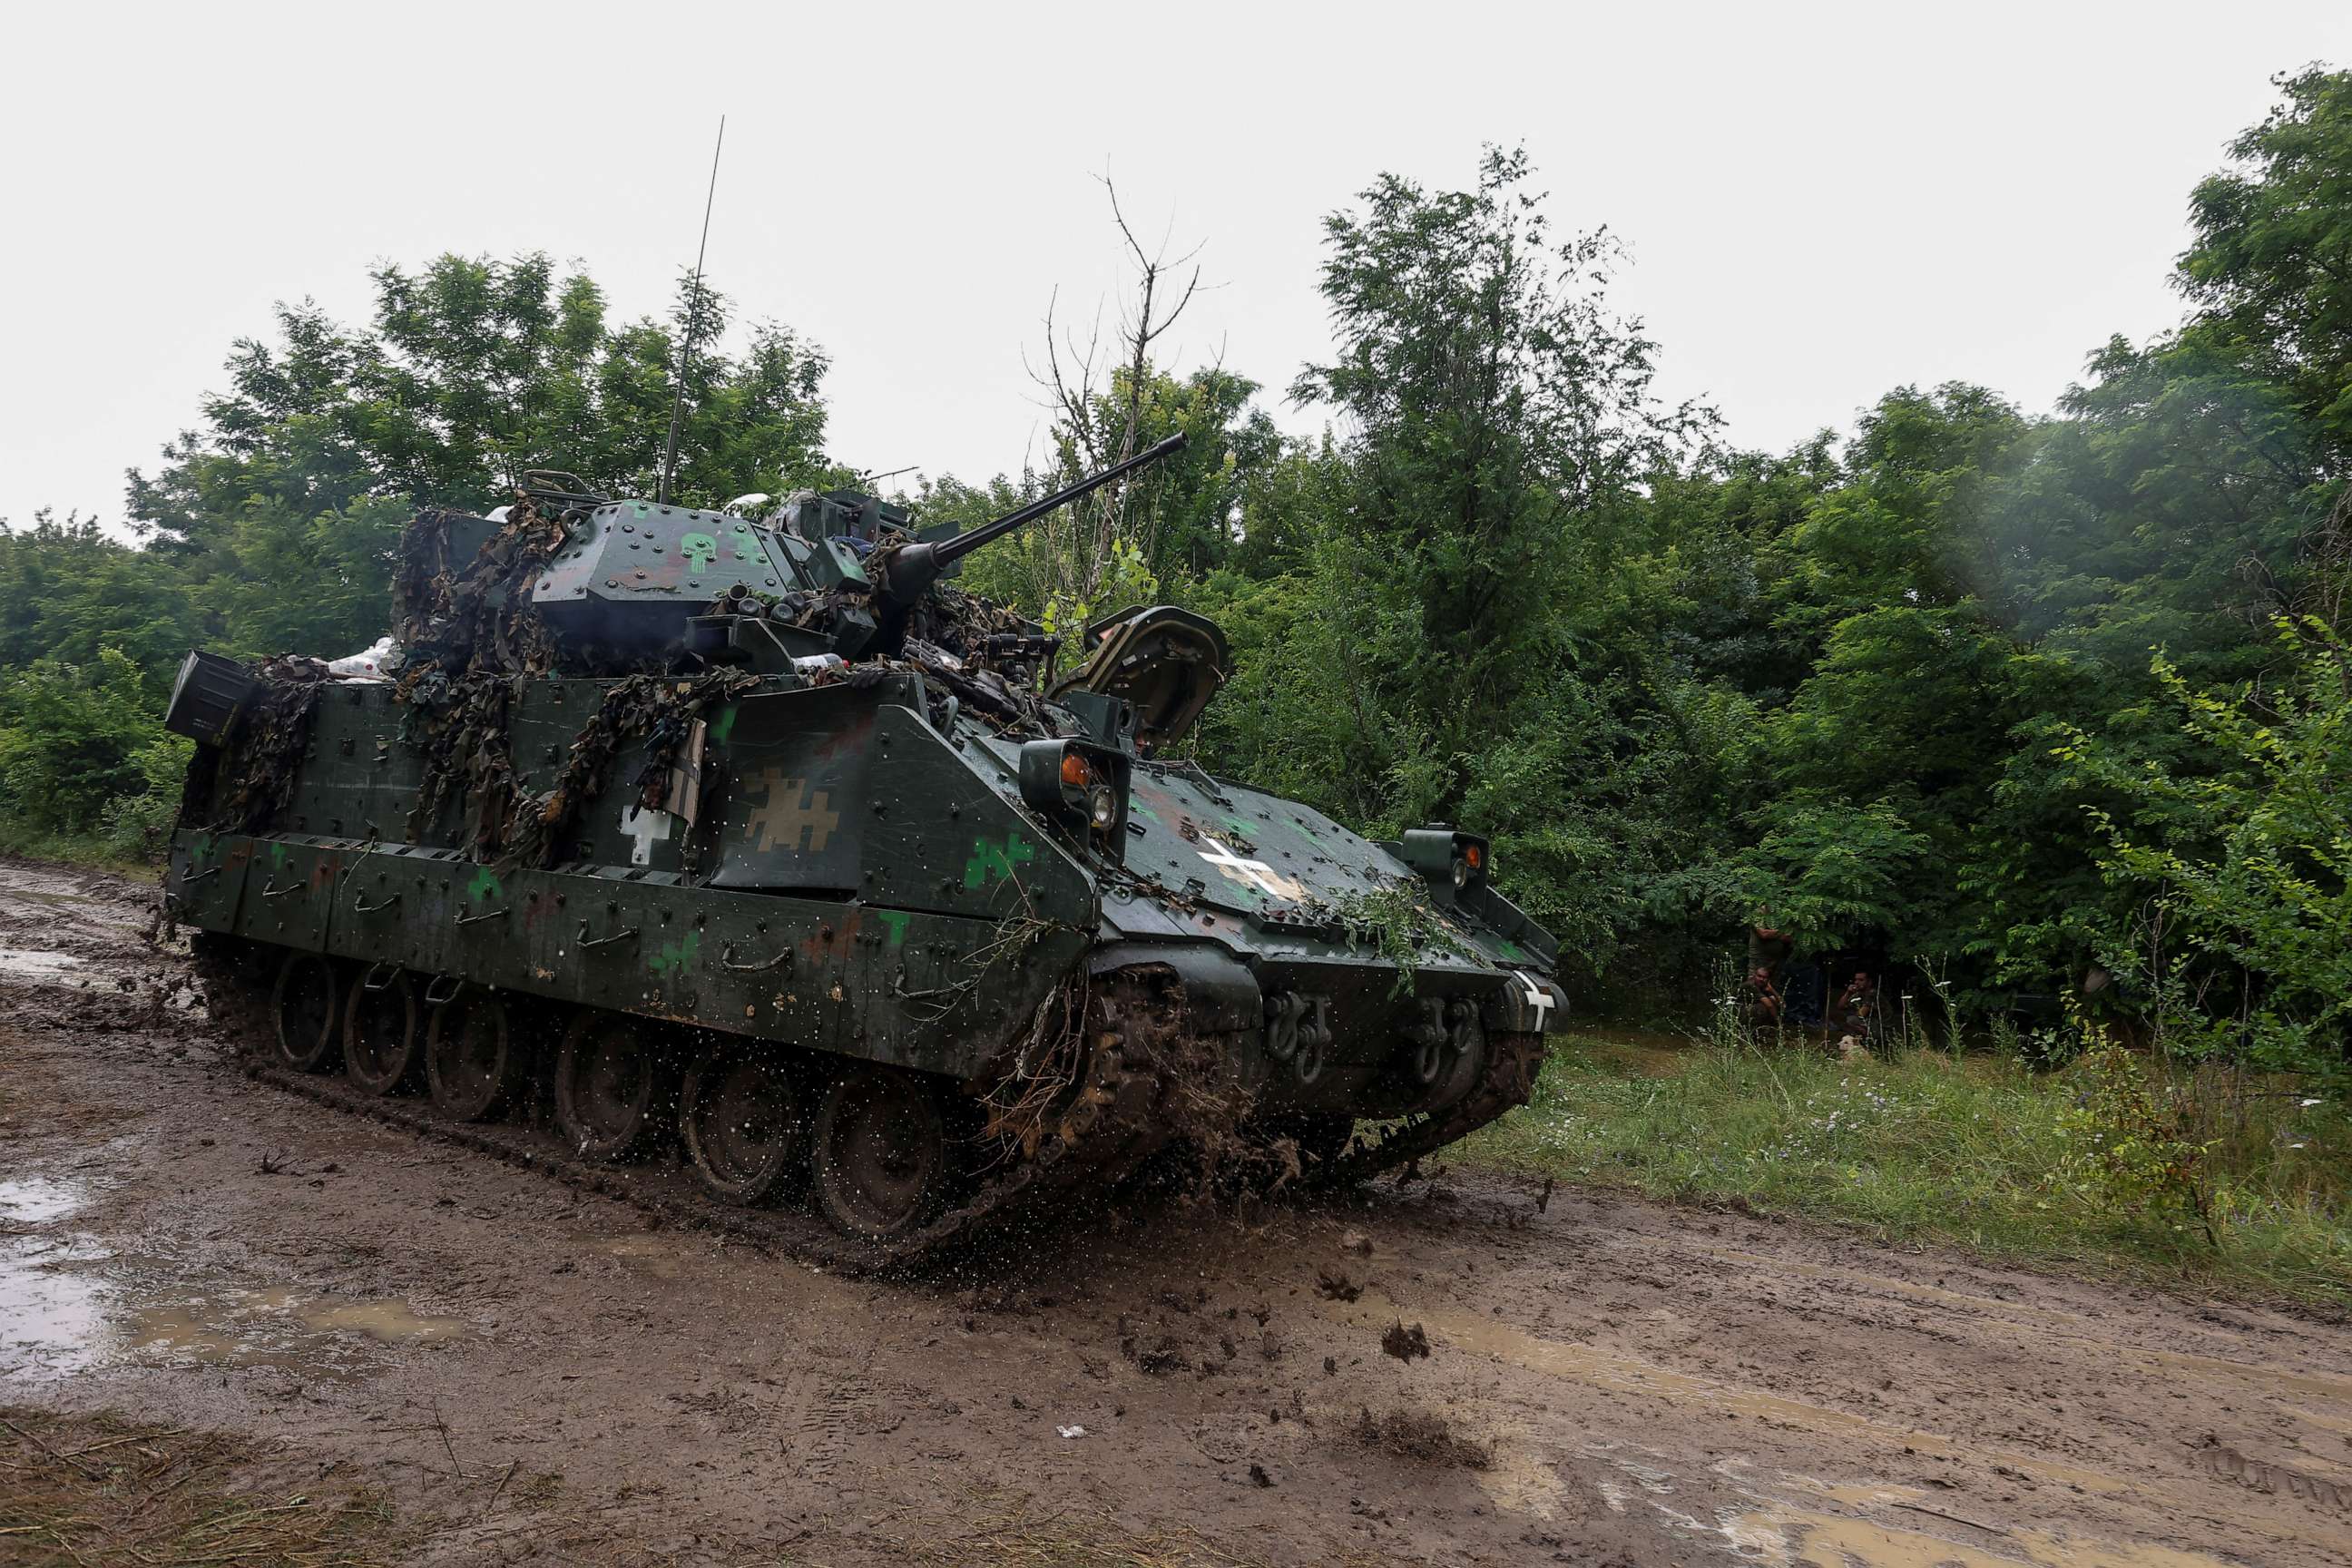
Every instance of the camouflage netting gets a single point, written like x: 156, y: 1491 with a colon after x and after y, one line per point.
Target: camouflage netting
x: 961, y: 623
x: 471, y: 641
x: 1012, y: 710
x: 663, y: 710
x: 476, y: 617
x: 273, y: 734
x: 946, y: 631
x: 944, y: 636
x: 462, y: 726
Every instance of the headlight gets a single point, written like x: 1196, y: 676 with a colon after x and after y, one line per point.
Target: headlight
x: 1079, y: 785
x: 1445, y: 857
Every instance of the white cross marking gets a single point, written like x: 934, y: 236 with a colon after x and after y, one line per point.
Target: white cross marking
x: 1537, y: 998
x: 645, y: 826
x: 1256, y: 873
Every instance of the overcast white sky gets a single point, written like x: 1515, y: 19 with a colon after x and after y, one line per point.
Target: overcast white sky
x: 1823, y: 202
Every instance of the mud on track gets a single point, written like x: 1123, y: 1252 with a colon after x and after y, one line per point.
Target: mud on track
x: 534, y: 1376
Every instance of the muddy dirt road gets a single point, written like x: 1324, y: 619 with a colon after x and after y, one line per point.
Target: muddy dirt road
x: 531, y: 1374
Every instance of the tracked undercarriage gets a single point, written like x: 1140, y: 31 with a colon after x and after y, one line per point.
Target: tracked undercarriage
x: 745, y: 1171
x: 666, y: 838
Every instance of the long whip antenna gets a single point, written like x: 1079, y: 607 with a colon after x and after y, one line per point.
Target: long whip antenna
x: 693, y: 318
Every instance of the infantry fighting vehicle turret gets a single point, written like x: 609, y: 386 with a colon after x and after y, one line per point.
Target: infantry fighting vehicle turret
x: 761, y: 848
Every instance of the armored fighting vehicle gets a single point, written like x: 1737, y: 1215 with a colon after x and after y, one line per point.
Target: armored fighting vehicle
x: 761, y: 848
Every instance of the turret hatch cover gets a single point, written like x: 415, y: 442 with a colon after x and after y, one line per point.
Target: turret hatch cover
x: 1164, y: 662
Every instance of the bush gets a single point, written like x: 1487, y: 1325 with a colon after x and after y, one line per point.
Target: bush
x: 72, y: 739
x: 2241, y: 948
x: 138, y: 826
x: 83, y: 753
x: 2135, y: 1147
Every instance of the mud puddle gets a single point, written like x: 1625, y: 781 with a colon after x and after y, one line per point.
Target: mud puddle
x: 1802, y: 1521
x: 1785, y: 1537
x: 649, y: 1256
x: 37, y: 964
x: 50, y: 1314
x: 272, y: 1325
x: 1622, y: 1374
x: 69, y: 1305
x: 36, y: 1200
x: 45, y: 896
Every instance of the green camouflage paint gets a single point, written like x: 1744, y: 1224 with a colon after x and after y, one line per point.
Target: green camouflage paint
x: 996, y: 860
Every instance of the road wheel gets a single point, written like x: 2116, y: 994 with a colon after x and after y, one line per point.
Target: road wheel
x: 606, y: 1074
x: 880, y: 1154
x: 473, y: 1060
x: 744, y: 1123
x: 380, y: 1033
x: 304, y: 1004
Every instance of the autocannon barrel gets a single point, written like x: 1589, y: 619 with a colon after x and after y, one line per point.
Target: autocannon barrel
x: 917, y: 566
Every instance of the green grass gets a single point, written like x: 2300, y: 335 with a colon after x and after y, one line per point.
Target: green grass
x: 1982, y: 1152
x: 91, y: 1490
x: 90, y: 849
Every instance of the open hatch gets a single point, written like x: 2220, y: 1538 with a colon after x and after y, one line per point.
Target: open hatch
x: 1164, y: 662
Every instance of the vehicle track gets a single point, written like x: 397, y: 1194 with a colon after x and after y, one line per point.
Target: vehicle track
x: 1123, y: 1115
x: 1108, y: 1131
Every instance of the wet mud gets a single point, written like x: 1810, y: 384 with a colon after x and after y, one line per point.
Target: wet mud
x: 1438, y: 1372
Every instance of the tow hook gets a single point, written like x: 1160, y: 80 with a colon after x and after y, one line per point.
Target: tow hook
x: 1431, y: 1040
x: 1299, y: 1031
x: 1448, y: 1028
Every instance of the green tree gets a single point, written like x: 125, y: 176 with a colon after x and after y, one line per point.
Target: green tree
x: 67, y: 590
x: 2271, y: 269
x: 282, y: 512
x: 2239, y: 942
x: 1500, y: 417
x: 1436, y: 616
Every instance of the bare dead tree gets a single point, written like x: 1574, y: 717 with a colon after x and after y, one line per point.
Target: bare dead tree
x: 1098, y: 425
x: 1141, y: 327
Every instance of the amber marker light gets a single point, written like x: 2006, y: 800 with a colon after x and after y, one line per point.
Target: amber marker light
x: 1074, y: 771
